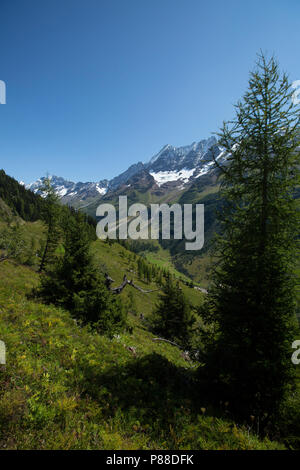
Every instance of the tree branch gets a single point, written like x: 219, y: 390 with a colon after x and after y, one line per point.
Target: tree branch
x: 118, y: 290
x: 166, y: 341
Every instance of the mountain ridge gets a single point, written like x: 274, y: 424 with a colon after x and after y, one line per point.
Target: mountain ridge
x: 171, y: 167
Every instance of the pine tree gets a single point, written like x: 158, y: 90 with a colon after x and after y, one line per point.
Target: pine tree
x: 51, y: 216
x: 74, y: 283
x: 173, y: 317
x: 252, y: 301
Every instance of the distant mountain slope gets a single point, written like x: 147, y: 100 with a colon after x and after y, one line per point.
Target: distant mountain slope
x: 173, y: 168
x: 70, y: 192
x: 20, y: 200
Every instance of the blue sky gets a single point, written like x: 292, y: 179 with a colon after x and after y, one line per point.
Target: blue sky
x: 94, y: 86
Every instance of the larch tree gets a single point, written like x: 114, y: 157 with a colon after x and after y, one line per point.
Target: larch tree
x: 251, y: 315
x: 51, y: 217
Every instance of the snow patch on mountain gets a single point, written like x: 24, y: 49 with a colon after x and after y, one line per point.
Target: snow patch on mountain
x: 205, y: 169
x: 162, y: 177
x: 180, y: 165
x: 61, y: 191
x: 100, y: 190
x: 67, y: 191
x: 209, y: 165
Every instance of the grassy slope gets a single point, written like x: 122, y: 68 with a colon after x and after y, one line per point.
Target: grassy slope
x: 194, y: 267
x: 117, y: 261
x: 65, y: 386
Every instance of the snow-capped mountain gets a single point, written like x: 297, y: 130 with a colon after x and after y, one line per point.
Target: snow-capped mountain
x: 187, y: 156
x: 184, y: 164
x: 68, y: 191
x: 171, y: 166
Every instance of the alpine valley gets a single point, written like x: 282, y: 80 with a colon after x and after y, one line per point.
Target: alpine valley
x: 184, y: 175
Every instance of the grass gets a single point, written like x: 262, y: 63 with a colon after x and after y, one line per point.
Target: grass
x: 66, y: 387
x: 117, y: 261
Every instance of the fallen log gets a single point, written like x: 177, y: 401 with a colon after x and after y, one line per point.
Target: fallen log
x: 167, y: 341
x: 118, y: 290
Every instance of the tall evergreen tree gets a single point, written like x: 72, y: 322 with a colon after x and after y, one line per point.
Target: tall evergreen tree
x: 252, y: 301
x: 74, y: 283
x: 173, y: 317
x: 51, y: 216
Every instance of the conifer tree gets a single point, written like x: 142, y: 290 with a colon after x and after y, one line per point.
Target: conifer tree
x: 173, y: 317
x: 51, y: 216
x: 252, y: 301
x: 74, y: 283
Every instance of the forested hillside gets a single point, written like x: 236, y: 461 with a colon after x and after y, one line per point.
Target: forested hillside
x: 66, y: 385
x: 21, y: 201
